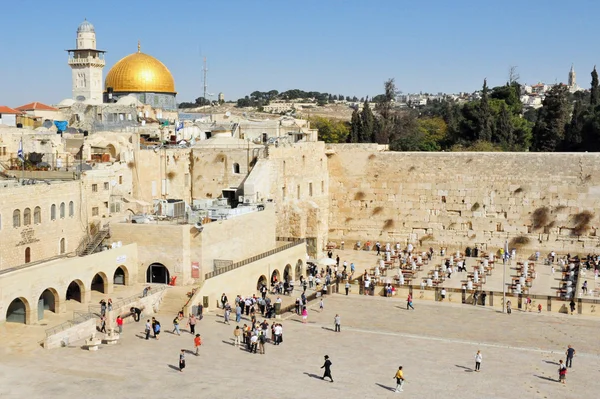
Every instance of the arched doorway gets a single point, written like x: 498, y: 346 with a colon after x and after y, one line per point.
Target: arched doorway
x: 100, y: 283
x: 75, y: 291
x: 18, y: 311
x: 262, y: 280
x: 121, y: 276
x: 275, y: 277
x: 48, y: 301
x: 27, y: 255
x: 287, y: 273
x: 299, y: 268
x: 113, y: 152
x: 157, y: 273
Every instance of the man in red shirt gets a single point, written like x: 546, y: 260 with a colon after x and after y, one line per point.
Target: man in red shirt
x: 120, y: 324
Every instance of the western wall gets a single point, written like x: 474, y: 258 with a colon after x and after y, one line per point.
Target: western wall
x: 537, y: 201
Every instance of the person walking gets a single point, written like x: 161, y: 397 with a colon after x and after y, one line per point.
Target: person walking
x: 409, y: 302
x: 483, y: 295
x: 120, y: 324
x: 474, y: 298
x: 399, y: 380
x: 562, y: 372
x: 238, y: 313
x: 262, y: 339
x: 197, y: 343
x: 237, y: 332
x: 572, y: 305
x: 321, y: 304
x: 347, y: 287
x: 478, y: 359
x: 176, y: 326
x: 181, y: 360
x: 443, y: 294
x: 192, y: 324
x: 148, y: 329
x: 570, y: 353
x: 327, y: 367
x: 337, y: 321
x: 223, y: 300
x: 103, y: 324
x: 304, y: 315
x: 226, y: 315
x: 508, y: 307
x: 155, y: 328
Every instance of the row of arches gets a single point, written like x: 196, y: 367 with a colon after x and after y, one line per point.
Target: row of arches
x: 49, y: 300
x: 27, y: 219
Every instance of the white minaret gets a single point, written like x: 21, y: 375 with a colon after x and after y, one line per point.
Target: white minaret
x: 86, y: 64
x: 572, y: 77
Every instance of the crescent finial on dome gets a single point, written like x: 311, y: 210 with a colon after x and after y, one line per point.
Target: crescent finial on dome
x: 139, y: 47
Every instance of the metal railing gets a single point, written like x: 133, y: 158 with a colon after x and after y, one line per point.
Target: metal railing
x: 78, y: 318
x: 253, y: 259
x: 96, y: 309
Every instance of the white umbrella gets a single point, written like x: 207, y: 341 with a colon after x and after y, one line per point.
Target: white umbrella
x: 327, y: 262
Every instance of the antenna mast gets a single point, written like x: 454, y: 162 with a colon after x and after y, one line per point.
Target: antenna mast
x: 205, y: 71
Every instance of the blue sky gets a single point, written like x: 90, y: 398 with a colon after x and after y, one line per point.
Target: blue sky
x: 343, y: 47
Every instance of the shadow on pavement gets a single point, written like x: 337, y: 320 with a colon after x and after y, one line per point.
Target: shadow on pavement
x: 318, y: 377
x: 546, y: 378
x: 467, y: 369
x: 176, y: 368
x: 385, y: 387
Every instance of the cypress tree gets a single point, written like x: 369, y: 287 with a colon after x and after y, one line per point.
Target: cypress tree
x: 367, y: 133
x: 484, y: 123
x: 355, y: 127
x: 594, y: 90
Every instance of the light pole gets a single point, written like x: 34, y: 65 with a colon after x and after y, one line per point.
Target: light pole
x: 504, y: 276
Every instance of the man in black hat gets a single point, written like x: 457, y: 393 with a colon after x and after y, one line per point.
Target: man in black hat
x: 327, y: 367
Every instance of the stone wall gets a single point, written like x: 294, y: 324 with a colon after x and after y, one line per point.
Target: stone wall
x: 72, y: 334
x: 244, y: 280
x: 30, y: 282
x: 533, y: 200
x: 176, y: 246
x: 295, y: 177
x: 42, y: 237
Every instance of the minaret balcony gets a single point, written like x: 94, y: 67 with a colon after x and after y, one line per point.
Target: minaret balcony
x: 92, y: 61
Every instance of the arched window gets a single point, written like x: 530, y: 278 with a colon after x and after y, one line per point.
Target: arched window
x: 27, y: 255
x: 71, y: 209
x: 236, y: 168
x: 62, y: 210
x: 37, y: 215
x: 62, y: 246
x: 26, y: 217
x: 17, y: 218
x: 53, y: 212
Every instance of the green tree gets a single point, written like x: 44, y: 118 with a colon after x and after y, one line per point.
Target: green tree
x: 367, y: 133
x: 433, y: 133
x: 575, y: 129
x: 484, y: 120
x: 355, y: 127
x: 504, y: 130
x: 330, y: 130
x: 594, y: 94
x: 384, y: 107
x: 407, y: 135
x: 549, y: 129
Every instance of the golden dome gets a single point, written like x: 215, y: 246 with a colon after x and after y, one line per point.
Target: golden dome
x: 139, y: 72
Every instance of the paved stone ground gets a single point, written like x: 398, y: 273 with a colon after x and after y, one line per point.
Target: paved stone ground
x: 436, y: 344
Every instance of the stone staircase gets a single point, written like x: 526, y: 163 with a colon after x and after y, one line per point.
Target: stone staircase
x: 174, y: 300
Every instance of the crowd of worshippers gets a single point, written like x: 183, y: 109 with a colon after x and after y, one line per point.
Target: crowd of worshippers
x: 249, y: 305
x: 256, y: 335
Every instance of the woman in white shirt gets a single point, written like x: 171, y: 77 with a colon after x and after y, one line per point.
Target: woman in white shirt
x: 478, y: 358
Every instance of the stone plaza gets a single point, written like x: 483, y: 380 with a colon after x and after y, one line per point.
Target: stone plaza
x: 435, y: 344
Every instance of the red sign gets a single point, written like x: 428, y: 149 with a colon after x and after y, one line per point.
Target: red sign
x: 195, y: 270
